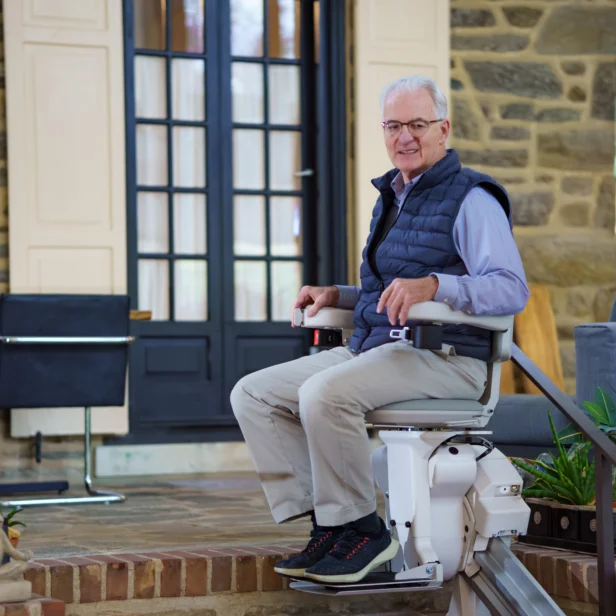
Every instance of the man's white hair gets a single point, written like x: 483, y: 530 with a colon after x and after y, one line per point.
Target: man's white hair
x: 413, y: 84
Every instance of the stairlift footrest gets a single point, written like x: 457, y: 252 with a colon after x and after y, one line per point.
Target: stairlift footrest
x: 374, y: 583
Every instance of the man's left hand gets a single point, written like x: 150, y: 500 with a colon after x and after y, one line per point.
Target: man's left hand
x: 402, y: 293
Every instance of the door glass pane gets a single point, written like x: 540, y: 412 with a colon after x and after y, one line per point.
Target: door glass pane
x: 248, y: 169
x: 154, y: 287
x: 247, y: 90
x: 250, y: 291
x: 190, y: 294
x: 247, y: 27
x: 152, y: 222
x: 284, y: 105
x: 283, y: 34
x: 188, y: 89
x: 285, y: 160
x: 286, y: 283
x: 249, y: 225
x: 187, y: 25
x: 152, y: 155
x: 150, y: 88
x: 189, y: 156
x: 285, y: 226
x: 189, y: 224
x: 150, y: 19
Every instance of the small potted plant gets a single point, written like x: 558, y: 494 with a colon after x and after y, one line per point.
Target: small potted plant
x: 9, y: 523
x: 562, y: 495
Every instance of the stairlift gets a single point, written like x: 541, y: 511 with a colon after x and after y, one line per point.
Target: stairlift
x: 452, y: 500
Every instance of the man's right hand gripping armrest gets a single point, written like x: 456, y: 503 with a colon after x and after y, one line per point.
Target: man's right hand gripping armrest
x: 338, y: 296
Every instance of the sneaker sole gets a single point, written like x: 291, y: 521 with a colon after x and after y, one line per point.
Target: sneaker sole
x: 290, y: 572
x: 385, y: 556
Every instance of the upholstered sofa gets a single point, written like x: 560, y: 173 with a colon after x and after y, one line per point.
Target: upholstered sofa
x: 520, y: 424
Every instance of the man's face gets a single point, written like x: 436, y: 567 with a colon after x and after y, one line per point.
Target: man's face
x: 414, y: 153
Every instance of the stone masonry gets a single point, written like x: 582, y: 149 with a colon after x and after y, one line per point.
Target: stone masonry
x: 533, y: 86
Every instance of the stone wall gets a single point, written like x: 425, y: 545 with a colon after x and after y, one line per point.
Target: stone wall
x: 533, y: 86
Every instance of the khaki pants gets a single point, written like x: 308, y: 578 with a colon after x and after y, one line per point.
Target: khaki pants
x: 305, y: 418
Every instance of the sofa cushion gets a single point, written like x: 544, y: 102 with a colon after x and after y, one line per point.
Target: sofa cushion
x: 595, y: 359
x: 522, y: 419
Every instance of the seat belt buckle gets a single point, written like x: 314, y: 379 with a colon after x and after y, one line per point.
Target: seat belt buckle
x: 420, y: 336
x: 405, y: 334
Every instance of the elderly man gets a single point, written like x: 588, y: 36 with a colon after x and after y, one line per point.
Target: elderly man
x: 438, y: 232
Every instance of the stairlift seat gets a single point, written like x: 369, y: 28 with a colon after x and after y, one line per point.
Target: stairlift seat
x: 423, y: 413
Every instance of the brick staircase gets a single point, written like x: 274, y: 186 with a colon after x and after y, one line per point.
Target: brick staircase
x: 216, y: 582
x: 228, y: 581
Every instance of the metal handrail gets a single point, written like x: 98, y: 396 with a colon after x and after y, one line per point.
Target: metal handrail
x: 605, y: 456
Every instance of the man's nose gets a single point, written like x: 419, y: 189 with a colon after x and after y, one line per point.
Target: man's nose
x: 405, y: 135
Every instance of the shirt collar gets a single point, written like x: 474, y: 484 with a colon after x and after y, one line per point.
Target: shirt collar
x: 399, y: 187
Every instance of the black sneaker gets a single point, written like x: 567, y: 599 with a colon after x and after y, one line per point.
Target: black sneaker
x: 354, y: 556
x: 322, y: 540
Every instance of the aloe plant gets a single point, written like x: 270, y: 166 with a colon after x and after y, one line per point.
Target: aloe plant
x: 10, y: 518
x: 602, y: 411
x: 570, y: 479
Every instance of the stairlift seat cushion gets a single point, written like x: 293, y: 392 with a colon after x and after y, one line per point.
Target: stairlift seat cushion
x: 433, y: 404
x: 425, y: 411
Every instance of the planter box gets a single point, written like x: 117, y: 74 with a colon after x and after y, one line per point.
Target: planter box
x: 569, y: 527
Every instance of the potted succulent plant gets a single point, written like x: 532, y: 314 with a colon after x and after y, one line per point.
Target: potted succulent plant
x: 9, y: 523
x: 562, y: 495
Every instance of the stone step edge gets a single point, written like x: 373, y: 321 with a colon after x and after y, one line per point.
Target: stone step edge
x: 198, y: 572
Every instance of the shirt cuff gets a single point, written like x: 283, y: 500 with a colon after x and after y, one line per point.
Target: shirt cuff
x: 348, y: 296
x: 447, y: 291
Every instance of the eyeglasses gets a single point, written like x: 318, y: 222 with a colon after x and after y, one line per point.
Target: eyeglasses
x: 417, y: 128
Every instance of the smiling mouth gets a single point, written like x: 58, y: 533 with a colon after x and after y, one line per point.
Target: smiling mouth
x: 407, y: 152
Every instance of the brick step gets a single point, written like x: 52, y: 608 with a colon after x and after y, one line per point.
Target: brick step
x: 564, y: 575
x: 239, y: 574
x: 226, y: 581
x: 36, y: 606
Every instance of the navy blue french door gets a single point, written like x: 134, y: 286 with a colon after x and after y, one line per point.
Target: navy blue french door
x: 223, y: 124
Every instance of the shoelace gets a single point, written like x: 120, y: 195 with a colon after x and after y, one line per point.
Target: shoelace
x: 349, y: 544
x: 317, y: 538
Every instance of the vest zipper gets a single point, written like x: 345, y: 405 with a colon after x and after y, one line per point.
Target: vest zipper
x: 376, y: 269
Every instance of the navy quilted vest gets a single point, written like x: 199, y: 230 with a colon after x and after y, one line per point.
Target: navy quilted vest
x: 418, y: 244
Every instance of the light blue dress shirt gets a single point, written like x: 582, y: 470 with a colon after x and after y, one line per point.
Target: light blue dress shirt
x: 495, y: 282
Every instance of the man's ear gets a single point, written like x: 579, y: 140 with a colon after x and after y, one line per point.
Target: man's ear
x: 445, y: 128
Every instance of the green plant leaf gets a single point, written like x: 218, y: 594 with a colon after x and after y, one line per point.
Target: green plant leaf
x: 570, y: 434
x: 603, y: 400
x: 16, y: 523
x: 597, y: 413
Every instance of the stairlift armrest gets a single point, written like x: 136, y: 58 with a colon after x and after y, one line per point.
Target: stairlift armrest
x: 439, y: 313
x: 326, y: 318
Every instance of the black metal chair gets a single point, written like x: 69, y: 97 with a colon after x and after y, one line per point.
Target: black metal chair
x: 59, y: 351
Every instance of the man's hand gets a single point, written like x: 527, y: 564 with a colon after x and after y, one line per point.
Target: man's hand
x: 402, y: 293
x: 319, y: 297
